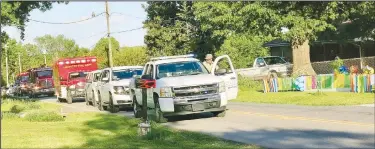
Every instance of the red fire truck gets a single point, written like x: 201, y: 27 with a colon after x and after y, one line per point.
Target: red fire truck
x: 69, y: 76
x: 21, y: 84
x: 40, y: 82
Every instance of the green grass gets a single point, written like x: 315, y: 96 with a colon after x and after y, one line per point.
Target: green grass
x: 94, y: 130
x: 250, y: 91
x: 305, y: 98
x: 27, y: 105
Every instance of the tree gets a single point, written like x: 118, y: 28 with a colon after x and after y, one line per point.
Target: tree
x: 17, y: 13
x: 131, y: 56
x: 101, y: 51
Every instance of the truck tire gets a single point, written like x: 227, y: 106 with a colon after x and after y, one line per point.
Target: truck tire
x: 272, y: 75
x: 219, y: 113
x: 100, y: 104
x: 86, y: 100
x: 69, y: 98
x: 159, y: 117
x: 112, y: 107
x: 31, y: 95
x: 93, y: 101
x: 137, y: 110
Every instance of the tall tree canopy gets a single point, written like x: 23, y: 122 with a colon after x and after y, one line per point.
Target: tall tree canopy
x: 101, y: 51
x: 231, y: 27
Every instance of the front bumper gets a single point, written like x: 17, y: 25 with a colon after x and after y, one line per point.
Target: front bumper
x: 78, y: 92
x: 121, y: 99
x: 211, y: 103
x: 45, y: 91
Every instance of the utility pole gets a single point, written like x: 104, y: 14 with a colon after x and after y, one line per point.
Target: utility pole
x: 19, y: 62
x: 6, y: 63
x: 109, y: 37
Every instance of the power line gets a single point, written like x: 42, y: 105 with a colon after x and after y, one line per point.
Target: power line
x: 94, y: 16
x: 127, y: 30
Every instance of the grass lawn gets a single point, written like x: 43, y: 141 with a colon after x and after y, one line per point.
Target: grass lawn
x: 306, y: 98
x: 96, y: 130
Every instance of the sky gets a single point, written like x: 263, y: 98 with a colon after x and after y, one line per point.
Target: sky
x: 126, y: 16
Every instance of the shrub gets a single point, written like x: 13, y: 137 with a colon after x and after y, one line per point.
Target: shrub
x: 17, y: 108
x: 43, y: 116
x: 248, y: 83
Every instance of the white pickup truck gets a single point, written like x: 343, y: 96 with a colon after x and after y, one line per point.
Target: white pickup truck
x: 267, y: 67
x: 184, y: 86
x: 113, y: 89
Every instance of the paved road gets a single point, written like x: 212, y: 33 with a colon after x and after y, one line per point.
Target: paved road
x: 278, y: 126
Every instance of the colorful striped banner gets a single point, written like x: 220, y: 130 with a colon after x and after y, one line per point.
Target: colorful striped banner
x: 356, y: 83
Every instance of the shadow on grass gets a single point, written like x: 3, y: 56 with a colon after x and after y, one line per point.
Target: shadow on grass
x: 111, y: 131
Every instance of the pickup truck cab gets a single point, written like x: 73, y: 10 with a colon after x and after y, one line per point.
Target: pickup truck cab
x: 267, y: 67
x: 184, y: 86
x: 113, y: 88
x: 92, y: 79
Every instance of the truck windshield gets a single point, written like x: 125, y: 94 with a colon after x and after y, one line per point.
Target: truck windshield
x: 274, y: 60
x: 44, y: 73
x: 125, y: 73
x: 180, y: 69
x: 24, y: 78
x: 74, y: 75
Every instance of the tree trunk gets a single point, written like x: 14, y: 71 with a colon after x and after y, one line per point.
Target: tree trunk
x: 301, y: 59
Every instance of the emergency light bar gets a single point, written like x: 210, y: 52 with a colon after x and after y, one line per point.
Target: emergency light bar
x: 172, y: 57
x: 77, y: 61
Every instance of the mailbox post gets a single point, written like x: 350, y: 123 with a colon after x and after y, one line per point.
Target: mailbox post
x: 146, y: 85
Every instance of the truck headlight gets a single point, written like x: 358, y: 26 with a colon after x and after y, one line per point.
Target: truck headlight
x: 166, y: 92
x: 72, y: 86
x: 119, y: 90
x: 221, y: 87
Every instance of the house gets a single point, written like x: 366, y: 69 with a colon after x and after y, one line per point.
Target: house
x: 326, y: 50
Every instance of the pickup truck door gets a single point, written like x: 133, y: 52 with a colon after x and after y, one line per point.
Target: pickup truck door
x: 230, y: 77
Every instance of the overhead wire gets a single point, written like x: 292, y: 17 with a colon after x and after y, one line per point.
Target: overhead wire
x: 73, y: 22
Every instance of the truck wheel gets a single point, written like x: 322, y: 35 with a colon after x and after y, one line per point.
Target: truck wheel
x: 219, y: 113
x: 69, y: 98
x: 100, y: 105
x: 159, y: 117
x: 136, y: 108
x: 112, y: 107
x: 93, y: 101
x: 86, y: 100
x: 272, y: 75
x: 31, y: 95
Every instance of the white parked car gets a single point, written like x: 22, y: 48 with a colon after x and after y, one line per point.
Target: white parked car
x: 113, y: 88
x: 92, y: 79
x: 184, y: 86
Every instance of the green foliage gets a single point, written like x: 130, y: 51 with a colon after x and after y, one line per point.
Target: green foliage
x: 17, y: 108
x: 336, y: 64
x: 43, y: 116
x: 243, y: 49
x: 248, y: 84
x: 131, y: 56
x: 101, y: 51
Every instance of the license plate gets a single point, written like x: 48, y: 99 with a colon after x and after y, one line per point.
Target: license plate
x: 198, y: 107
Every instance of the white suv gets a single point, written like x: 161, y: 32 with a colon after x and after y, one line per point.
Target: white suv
x: 113, y: 88
x: 184, y: 86
x: 92, y: 79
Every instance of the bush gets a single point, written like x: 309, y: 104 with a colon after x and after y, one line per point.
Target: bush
x: 248, y: 83
x: 43, y: 116
x: 17, y: 108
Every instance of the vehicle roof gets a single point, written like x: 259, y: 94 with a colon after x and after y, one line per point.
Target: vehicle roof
x: 124, y: 67
x: 157, y: 62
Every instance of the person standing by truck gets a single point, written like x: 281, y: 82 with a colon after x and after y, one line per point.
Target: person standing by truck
x: 209, y: 62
